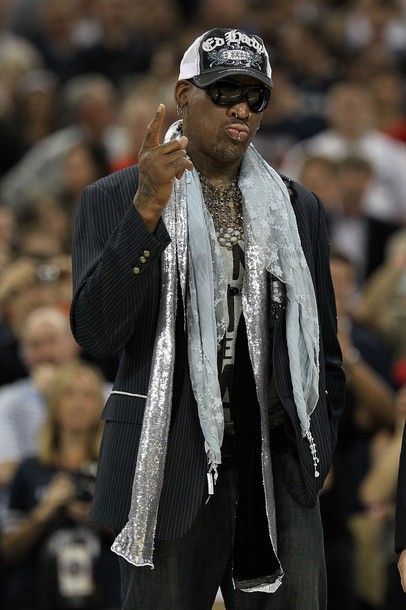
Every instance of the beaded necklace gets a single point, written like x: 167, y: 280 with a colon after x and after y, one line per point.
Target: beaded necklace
x: 225, y: 207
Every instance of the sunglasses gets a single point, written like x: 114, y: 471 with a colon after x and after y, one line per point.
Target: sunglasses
x: 228, y: 93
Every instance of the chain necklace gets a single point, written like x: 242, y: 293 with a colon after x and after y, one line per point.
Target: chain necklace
x: 225, y: 208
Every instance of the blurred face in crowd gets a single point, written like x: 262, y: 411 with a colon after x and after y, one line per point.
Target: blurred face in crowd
x: 388, y: 91
x: 47, y: 339
x: 80, y: 401
x: 135, y: 114
x: 34, y: 243
x: 97, y: 110
x: 78, y: 170
x: 350, y: 109
x: 319, y: 176
x: 352, y: 184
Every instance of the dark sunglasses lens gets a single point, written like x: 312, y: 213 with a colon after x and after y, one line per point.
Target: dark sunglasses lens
x: 225, y: 93
x: 258, y: 98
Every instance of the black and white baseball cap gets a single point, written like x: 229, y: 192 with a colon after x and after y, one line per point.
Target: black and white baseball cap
x: 223, y: 52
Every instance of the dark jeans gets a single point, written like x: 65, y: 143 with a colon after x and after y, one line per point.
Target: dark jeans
x: 188, y: 571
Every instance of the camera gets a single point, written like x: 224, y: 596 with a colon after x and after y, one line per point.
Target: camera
x: 85, y: 481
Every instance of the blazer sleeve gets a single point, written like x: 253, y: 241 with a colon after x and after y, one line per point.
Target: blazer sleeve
x: 334, y: 373
x: 115, y: 266
x: 400, y: 519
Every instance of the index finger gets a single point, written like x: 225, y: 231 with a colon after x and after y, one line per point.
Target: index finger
x: 152, y: 135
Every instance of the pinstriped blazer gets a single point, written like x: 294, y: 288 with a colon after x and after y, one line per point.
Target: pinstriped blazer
x: 116, y: 275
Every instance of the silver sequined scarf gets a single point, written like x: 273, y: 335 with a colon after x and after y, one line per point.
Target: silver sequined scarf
x: 272, y: 245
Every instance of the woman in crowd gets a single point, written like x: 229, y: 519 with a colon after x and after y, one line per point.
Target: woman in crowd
x: 55, y: 559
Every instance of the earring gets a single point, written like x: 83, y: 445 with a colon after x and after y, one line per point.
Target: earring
x: 179, y: 110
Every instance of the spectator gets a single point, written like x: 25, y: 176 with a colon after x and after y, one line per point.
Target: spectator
x: 389, y: 92
x: 305, y: 53
x: 25, y: 286
x: 124, y: 48
x: 82, y: 165
x: 91, y: 103
x: 350, y: 111
x: 55, y: 35
x: 35, y: 108
x: 319, y: 174
x: 353, y: 231
x: 382, y: 304
x: 287, y: 120
x: 134, y: 117
x: 378, y: 492
x: 47, y: 536
x: 376, y: 21
x: 46, y: 343
x: 42, y: 227
x: 368, y: 407
x: 17, y: 58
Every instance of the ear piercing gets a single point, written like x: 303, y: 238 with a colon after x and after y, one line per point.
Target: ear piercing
x: 179, y: 109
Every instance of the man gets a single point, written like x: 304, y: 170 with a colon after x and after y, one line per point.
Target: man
x: 352, y: 131
x: 201, y: 270
x: 368, y: 406
x: 91, y: 103
x: 46, y: 342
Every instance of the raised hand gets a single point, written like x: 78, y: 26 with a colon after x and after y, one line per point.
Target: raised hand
x: 159, y: 165
x: 59, y: 492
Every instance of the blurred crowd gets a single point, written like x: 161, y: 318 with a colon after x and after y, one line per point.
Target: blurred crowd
x: 79, y: 82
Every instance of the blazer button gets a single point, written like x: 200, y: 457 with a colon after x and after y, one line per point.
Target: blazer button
x: 143, y: 259
x: 147, y: 253
x: 136, y: 270
x: 233, y: 290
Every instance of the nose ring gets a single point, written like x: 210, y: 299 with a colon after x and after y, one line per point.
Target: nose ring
x: 237, y: 116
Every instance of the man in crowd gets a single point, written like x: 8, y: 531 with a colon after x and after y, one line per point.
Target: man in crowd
x: 209, y: 273
x: 46, y: 342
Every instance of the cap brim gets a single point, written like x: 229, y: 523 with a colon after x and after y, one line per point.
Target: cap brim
x: 205, y: 79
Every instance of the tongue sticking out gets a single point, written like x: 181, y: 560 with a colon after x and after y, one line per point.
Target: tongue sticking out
x: 238, y: 133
